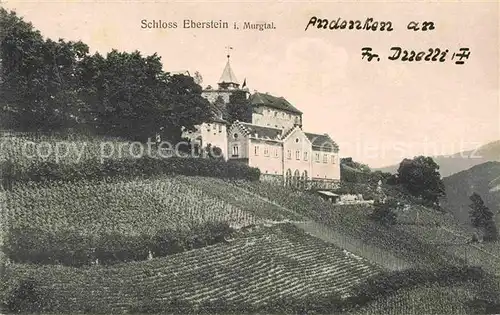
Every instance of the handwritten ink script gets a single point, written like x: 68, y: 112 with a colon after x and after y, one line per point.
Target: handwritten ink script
x: 431, y: 55
x: 434, y: 54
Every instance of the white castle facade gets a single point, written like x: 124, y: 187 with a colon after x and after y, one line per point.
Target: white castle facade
x: 273, y: 141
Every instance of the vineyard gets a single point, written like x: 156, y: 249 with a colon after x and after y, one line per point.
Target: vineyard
x: 261, y: 267
x: 282, y: 249
x: 423, y: 300
x: 352, y: 228
x: 126, y: 207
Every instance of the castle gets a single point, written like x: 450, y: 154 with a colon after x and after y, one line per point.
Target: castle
x: 274, y: 141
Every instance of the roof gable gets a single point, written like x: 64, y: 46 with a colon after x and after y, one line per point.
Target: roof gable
x: 260, y: 132
x: 261, y: 99
x: 322, y: 142
x: 295, y: 130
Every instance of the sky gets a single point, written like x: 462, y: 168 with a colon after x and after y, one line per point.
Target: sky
x: 379, y: 112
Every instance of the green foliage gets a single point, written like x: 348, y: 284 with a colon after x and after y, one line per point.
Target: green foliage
x: 391, y: 282
x: 271, y: 270
x: 38, y: 84
x: 213, y: 152
x: 483, y: 218
x: 354, y: 172
x: 348, y: 161
x: 71, y: 248
x: 48, y: 85
x: 24, y: 295
x: 420, y: 177
x: 238, y: 108
x: 45, y: 171
x: 384, y: 212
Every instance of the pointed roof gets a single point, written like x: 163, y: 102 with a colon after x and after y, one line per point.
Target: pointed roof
x: 228, y: 74
x: 261, y: 99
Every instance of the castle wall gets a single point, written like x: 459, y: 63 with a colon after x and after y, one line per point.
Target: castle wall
x: 297, y: 150
x: 267, y: 156
x: 236, y: 138
x: 270, y: 117
x: 216, y: 135
x: 325, y: 165
x: 212, y: 95
x: 213, y: 133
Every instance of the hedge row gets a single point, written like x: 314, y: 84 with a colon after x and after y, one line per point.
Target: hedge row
x: 29, y: 293
x: 144, y: 166
x: 70, y: 248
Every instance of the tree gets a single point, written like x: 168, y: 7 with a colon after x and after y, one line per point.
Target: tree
x: 213, y: 152
x: 129, y: 95
x: 38, y: 85
x: 384, y: 212
x: 47, y: 85
x: 420, y: 177
x: 482, y: 218
x: 198, y: 79
x: 239, y: 107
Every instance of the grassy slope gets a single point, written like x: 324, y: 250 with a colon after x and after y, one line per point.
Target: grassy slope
x: 483, y: 179
x: 267, y: 264
x: 422, y: 300
x: 417, y: 242
x: 119, y: 206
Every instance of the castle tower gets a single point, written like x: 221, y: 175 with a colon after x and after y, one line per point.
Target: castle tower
x: 228, y: 80
x: 227, y: 85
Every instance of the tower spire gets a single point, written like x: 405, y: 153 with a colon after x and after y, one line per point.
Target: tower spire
x: 228, y: 48
x: 228, y: 80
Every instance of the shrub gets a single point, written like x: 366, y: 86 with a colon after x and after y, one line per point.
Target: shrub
x: 384, y: 213
x: 32, y: 245
x: 24, y: 295
x: 42, y: 171
x: 385, y: 284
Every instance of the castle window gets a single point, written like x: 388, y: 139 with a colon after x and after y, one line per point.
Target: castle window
x: 220, y: 128
x: 305, y: 156
x: 208, y: 127
x: 275, y: 114
x: 235, y: 136
x: 275, y: 152
x: 316, y: 157
x: 297, y: 155
x: 333, y: 159
x: 266, y: 151
x: 325, y: 158
x: 297, y: 140
x: 235, y: 151
x: 256, y: 150
x: 289, y: 154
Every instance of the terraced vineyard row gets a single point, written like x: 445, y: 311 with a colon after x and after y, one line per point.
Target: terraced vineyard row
x: 422, y: 300
x: 219, y: 188
x: 265, y: 265
x: 128, y: 207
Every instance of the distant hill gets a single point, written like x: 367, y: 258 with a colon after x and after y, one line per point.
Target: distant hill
x: 461, y: 161
x: 483, y: 179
